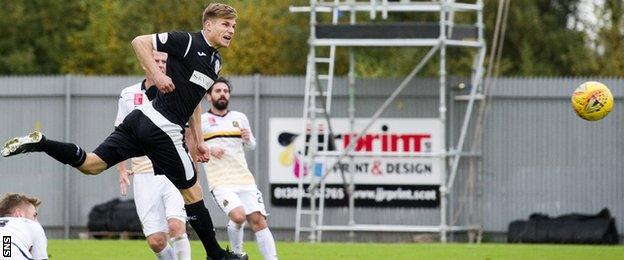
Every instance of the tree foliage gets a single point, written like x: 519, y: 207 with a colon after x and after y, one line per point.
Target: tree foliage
x: 35, y: 33
x: 611, y: 38
x: 93, y: 37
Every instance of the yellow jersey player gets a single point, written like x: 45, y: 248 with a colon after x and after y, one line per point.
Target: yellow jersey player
x: 233, y: 187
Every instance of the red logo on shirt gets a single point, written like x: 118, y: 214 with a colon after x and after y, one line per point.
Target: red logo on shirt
x: 212, y: 121
x: 138, y: 99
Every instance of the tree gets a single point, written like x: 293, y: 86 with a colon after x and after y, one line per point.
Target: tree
x: 34, y: 34
x: 93, y: 37
x: 611, y: 38
x: 539, y: 41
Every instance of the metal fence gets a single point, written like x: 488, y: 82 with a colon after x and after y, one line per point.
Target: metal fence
x: 537, y: 156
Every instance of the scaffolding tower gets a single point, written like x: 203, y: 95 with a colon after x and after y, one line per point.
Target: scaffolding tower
x: 319, y: 83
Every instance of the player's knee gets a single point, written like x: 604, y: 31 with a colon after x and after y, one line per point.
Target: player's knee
x: 90, y: 170
x: 176, y: 228
x: 192, y: 194
x: 157, y: 242
x: 93, y: 165
x: 237, y: 216
x: 257, y: 221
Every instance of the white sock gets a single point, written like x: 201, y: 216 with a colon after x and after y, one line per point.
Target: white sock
x: 166, y: 254
x: 266, y: 244
x: 236, y: 237
x: 181, y: 247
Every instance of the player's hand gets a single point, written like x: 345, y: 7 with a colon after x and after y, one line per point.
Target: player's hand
x: 203, y: 153
x: 245, y: 134
x: 124, y: 181
x: 163, y: 83
x: 217, y: 152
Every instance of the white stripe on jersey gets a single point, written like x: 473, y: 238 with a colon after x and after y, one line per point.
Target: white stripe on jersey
x: 224, y: 132
x: 174, y: 132
x: 27, y: 235
x: 189, y: 44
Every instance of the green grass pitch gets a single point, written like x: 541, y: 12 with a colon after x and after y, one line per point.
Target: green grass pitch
x: 137, y: 249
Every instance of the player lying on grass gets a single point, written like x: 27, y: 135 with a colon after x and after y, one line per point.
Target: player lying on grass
x: 22, y: 235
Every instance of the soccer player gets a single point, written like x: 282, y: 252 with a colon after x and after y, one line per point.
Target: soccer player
x: 156, y: 128
x: 19, y: 229
x: 227, y: 134
x: 159, y: 204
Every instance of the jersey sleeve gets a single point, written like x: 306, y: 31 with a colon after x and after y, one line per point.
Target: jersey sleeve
x: 123, y: 108
x: 175, y: 44
x: 39, y: 249
x: 251, y: 144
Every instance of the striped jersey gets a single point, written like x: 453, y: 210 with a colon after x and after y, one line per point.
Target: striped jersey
x: 225, y: 132
x: 24, y: 237
x: 131, y: 98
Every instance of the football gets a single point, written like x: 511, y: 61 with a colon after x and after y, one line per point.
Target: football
x: 592, y: 101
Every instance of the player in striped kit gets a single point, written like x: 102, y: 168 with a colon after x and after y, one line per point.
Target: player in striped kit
x: 22, y: 235
x: 159, y: 204
x: 231, y: 183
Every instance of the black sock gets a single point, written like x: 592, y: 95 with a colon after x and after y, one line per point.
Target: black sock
x: 199, y: 218
x: 66, y: 153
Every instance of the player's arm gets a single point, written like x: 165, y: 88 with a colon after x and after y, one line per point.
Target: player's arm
x: 143, y: 47
x: 202, y: 151
x: 39, y: 250
x: 124, y: 107
x: 249, y: 141
x: 124, y: 177
x: 190, y: 143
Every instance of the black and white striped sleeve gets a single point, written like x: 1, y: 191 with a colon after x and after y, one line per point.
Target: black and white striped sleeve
x: 176, y: 44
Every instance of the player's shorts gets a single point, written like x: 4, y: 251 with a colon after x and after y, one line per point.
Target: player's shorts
x: 147, y: 132
x: 248, y: 196
x: 157, y: 201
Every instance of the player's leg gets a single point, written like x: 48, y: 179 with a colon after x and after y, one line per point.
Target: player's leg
x: 105, y: 156
x: 179, y: 239
x: 151, y: 212
x: 200, y: 220
x: 66, y: 153
x: 256, y: 216
x: 176, y: 220
x: 163, y: 143
x: 236, y: 233
x: 93, y: 165
x: 229, y: 202
x: 264, y: 237
x: 158, y: 243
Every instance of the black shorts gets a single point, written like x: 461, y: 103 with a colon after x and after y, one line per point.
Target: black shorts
x: 147, y: 132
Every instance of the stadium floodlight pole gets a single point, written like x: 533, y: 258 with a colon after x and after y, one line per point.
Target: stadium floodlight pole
x: 378, y: 113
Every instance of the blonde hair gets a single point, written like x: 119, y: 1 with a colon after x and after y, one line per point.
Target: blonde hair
x: 216, y: 10
x: 10, y: 201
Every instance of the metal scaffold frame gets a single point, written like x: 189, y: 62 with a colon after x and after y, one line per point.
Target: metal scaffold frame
x: 318, y: 100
